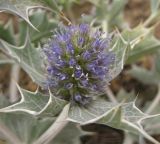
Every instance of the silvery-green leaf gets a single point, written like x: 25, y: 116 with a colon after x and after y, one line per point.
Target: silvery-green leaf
x: 36, y: 103
x: 19, y: 7
x: 119, y: 47
x: 26, y: 127
x: 136, y: 34
x: 142, y: 42
x: 3, y: 101
x: 148, y: 46
x: 69, y: 135
x: 23, y: 126
x: 31, y: 102
x: 22, y: 7
x: 154, y: 16
x: 124, y: 96
x: 155, y: 6
x: 97, y: 109
x: 7, y: 32
x: 152, y: 125
x: 42, y: 22
x: 143, y: 75
x: 28, y: 57
x: 125, y: 44
x: 52, y: 4
x: 53, y: 107
x: 129, y: 118
x: 116, y: 9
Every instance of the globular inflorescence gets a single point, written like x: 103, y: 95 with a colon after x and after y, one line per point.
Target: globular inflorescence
x: 78, y: 61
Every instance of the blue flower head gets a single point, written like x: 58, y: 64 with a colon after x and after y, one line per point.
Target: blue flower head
x: 78, y: 61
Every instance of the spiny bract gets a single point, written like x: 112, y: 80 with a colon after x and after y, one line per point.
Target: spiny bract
x: 78, y: 61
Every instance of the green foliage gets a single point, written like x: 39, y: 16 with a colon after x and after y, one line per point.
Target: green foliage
x: 43, y: 24
x: 28, y: 57
x: 147, y: 76
x: 129, y: 118
x: 19, y: 7
x: 92, y: 113
x: 37, y: 104
x: 26, y: 127
x: 69, y: 135
x: 7, y: 32
x: 28, y: 119
x: 144, y: 76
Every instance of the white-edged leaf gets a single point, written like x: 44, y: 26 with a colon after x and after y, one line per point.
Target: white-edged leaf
x: 31, y: 102
x: 141, y: 40
x: 97, y: 109
x: 26, y: 127
x: 124, y: 46
x: 119, y: 47
x: 42, y: 22
x: 19, y: 7
x: 152, y: 125
x: 53, y: 107
x: 28, y: 57
x: 129, y: 118
x: 36, y: 103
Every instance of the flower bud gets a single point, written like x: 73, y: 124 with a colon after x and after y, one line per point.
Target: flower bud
x: 78, y: 61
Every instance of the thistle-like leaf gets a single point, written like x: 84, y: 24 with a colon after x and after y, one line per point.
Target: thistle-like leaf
x: 43, y: 23
x: 151, y: 125
x: 22, y: 7
x: 25, y: 127
x: 96, y: 110
x: 28, y: 57
x: 21, y: 126
x: 19, y: 7
x: 36, y: 103
x: 141, y: 41
x: 53, y: 107
x: 129, y: 118
x: 122, y: 116
x: 120, y: 47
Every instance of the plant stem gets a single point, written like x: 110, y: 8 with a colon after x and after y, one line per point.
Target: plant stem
x: 148, y: 21
x: 55, y: 128
x: 111, y: 95
x: 9, y: 135
x: 105, y: 26
x: 141, y: 139
x: 155, y: 102
x: 128, y: 139
x: 14, y: 79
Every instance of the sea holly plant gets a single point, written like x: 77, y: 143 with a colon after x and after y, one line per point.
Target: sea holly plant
x: 72, y: 69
